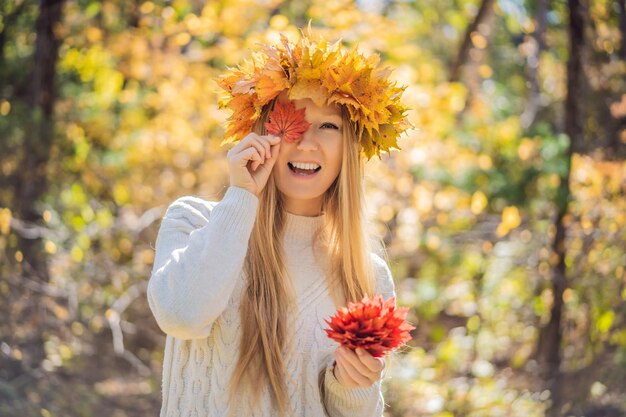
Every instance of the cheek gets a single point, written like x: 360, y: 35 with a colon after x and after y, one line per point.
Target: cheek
x: 337, y: 158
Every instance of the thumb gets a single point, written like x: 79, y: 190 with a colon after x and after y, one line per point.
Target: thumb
x: 274, y: 150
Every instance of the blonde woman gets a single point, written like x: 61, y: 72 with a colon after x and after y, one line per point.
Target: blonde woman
x: 241, y: 287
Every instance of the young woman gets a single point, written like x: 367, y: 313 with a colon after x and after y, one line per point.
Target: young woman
x: 241, y: 287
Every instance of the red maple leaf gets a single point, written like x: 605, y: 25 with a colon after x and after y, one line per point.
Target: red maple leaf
x: 287, y: 122
x: 372, y: 324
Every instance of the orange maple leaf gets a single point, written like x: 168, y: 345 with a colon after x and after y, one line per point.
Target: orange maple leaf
x: 287, y: 122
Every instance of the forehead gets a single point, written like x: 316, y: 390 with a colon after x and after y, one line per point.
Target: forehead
x: 311, y: 107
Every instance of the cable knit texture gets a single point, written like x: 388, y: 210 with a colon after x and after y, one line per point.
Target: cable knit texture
x: 194, y: 293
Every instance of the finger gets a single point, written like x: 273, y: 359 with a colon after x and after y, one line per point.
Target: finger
x: 247, y: 155
x: 275, y: 150
x: 268, y: 141
x: 268, y: 164
x: 260, y: 164
x: 344, y: 378
x: 272, y: 139
x: 259, y: 144
x: 372, y: 363
x: 243, y: 143
x: 356, y: 363
x: 274, y: 155
x: 252, y: 140
x: 265, y: 141
x: 360, y: 379
x: 262, y: 145
x: 271, y: 158
x: 244, y: 156
x: 355, y: 368
x: 257, y: 162
x: 340, y: 371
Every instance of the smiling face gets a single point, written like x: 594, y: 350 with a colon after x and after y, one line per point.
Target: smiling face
x: 321, y: 144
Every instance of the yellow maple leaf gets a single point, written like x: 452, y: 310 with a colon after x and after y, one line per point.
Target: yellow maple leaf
x: 309, y: 88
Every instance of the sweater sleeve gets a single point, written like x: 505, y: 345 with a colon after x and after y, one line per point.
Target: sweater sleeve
x: 341, y: 401
x: 199, y: 254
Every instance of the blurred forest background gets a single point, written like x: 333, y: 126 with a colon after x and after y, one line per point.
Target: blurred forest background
x: 503, y: 215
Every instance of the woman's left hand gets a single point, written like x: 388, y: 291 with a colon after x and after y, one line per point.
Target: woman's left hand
x: 357, y: 368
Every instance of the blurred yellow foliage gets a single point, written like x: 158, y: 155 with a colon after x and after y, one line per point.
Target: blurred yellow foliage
x: 510, y: 220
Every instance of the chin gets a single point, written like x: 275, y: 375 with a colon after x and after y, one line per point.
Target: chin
x: 303, y: 195
x: 302, y: 191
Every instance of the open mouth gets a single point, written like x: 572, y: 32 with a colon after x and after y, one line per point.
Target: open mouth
x: 301, y: 171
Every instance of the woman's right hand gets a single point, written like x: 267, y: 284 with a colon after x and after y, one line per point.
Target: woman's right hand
x: 250, y: 161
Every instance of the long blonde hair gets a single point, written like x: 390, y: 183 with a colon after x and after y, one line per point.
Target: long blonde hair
x: 268, y: 299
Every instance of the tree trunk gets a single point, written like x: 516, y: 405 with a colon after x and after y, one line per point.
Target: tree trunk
x: 532, y: 66
x: 622, y: 27
x: 550, y: 336
x: 485, y: 10
x: 31, y: 182
x: 480, y: 25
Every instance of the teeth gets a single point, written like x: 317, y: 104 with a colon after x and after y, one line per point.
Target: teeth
x: 304, y: 166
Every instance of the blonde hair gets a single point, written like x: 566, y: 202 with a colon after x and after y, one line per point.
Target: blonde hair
x: 268, y: 299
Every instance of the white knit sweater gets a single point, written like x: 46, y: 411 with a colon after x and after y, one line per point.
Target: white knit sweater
x: 194, y: 293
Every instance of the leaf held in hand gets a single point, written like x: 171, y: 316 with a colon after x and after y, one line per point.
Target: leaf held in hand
x: 287, y: 122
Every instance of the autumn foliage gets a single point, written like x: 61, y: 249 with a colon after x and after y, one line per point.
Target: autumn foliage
x: 469, y: 208
x: 287, y: 122
x: 328, y: 75
x: 372, y: 324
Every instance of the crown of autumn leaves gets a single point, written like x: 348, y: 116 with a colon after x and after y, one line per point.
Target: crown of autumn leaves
x: 326, y: 74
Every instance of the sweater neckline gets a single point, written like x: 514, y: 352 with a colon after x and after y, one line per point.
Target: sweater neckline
x: 300, y: 228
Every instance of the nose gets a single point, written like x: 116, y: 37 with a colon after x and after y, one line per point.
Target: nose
x: 308, y: 142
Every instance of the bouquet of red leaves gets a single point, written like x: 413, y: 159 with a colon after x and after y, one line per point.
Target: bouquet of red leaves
x: 372, y: 324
